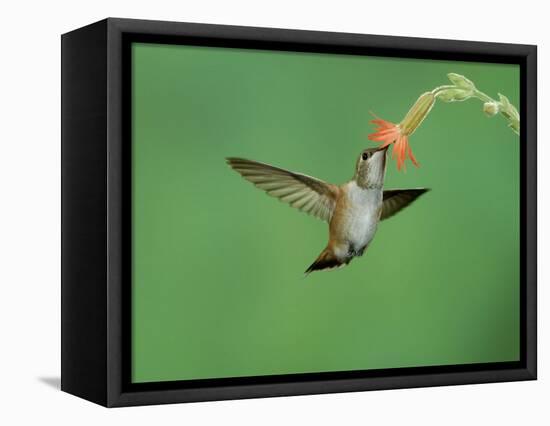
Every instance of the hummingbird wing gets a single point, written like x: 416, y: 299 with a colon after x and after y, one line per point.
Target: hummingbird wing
x: 306, y: 193
x: 397, y: 199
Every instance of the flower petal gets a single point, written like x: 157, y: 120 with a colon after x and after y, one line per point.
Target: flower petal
x: 388, y: 133
x: 385, y: 132
x: 392, y: 131
x: 399, y: 151
x: 389, y: 137
x: 411, y: 156
x: 382, y: 124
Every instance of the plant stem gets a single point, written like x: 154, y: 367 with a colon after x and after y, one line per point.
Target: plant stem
x: 463, y: 89
x: 482, y: 96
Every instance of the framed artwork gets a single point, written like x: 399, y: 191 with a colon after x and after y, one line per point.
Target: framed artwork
x: 252, y: 212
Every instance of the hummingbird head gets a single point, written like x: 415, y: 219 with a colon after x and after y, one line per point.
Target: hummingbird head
x: 371, y: 168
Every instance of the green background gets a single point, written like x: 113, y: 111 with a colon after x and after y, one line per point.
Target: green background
x: 218, y: 284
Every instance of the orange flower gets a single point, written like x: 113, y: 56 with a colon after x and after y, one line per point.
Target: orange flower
x: 387, y: 133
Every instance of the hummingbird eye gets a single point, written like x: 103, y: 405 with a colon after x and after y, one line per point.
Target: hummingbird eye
x: 365, y: 155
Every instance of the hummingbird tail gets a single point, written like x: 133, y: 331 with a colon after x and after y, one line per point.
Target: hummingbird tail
x: 326, y: 260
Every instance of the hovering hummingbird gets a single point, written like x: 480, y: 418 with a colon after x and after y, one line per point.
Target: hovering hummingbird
x: 352, y: 210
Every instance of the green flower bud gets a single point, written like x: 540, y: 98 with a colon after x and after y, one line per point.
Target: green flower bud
x: 514, y: 125
x: 504, y: 101
x: 491, y: 108
x: 509, y: 112
x: 461, y: 81
x: 454, y: 95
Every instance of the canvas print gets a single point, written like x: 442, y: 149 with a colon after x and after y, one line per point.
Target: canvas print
x: 402, y: 244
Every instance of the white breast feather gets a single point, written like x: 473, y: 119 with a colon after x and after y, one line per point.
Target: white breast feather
x: 364, y: 207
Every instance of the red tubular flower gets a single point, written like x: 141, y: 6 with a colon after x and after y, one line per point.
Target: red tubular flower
x: 387, y: 133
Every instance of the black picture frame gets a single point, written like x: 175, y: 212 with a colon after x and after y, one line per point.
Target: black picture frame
x: 96, y: 212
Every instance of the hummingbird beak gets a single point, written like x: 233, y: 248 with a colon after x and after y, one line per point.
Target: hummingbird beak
x: 383, y: 150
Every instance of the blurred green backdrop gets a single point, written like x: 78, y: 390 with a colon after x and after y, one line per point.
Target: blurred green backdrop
x: 218, y: 284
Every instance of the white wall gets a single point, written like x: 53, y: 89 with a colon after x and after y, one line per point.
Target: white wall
x: 29, y: 210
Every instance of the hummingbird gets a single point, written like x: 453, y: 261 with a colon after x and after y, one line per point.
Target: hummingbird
x: 353, y: 210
